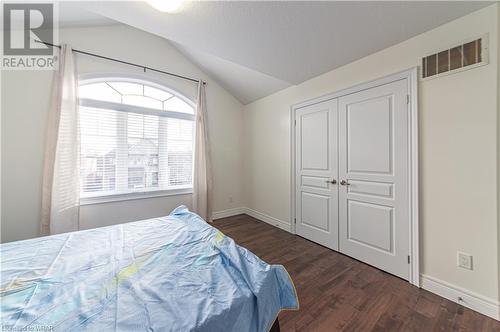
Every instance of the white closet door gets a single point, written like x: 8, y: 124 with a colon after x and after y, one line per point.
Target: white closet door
x: 317, y: 169
x: 373, y: 173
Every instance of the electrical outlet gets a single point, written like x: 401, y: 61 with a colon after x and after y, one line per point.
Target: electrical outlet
x: 230, y: 199
x: 464, y: 260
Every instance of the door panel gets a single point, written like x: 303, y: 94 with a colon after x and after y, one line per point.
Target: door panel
x: 314, y: 140
x: 373, y: 160
x: 315, y: 211
x: 371, y: 188
x: 316, y: 164
x: 370, y: 124
x: 370, y: 225
x: 315, y: 182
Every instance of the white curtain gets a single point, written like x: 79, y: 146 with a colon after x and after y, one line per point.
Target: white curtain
x: 61, y: 181
x: 202, y: 180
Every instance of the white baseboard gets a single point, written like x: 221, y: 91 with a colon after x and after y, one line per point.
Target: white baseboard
x: 252, y: 213
x: 268, y: 219
x: 476, y: 302
x: 228, y: 213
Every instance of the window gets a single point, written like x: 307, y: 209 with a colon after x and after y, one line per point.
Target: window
x: 136, y: 137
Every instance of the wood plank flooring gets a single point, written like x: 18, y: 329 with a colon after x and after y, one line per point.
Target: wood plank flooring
x: 338, y: 293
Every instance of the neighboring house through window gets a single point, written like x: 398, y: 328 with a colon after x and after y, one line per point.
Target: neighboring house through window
x: 136, y: 138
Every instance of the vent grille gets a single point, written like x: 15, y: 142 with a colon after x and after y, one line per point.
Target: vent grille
x: 455, y: 59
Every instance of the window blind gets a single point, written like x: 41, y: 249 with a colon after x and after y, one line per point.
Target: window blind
x: 133, y: 151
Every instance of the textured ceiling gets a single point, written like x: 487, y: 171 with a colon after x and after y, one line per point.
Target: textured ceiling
x: 71, y: 15
x: 244, y: 83
x: 256, y: 48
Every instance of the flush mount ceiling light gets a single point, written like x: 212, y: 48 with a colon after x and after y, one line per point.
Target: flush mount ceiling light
x: 167, y: 6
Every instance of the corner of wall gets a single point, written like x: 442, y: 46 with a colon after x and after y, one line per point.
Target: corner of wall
x: 247, y: 156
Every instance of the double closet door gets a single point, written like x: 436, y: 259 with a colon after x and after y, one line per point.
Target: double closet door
x: 352, y: 175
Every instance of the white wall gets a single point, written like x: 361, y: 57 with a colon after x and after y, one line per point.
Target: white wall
x: 25, y: 104
x: 498, y: 143
x: 458, y: 150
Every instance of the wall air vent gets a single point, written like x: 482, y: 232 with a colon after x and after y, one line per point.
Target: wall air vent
x: 468, y: 55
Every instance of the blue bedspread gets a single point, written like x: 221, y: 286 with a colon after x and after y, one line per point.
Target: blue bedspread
x: 175, y: 273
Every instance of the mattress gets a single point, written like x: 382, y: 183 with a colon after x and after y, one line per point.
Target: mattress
x: 175, y: 273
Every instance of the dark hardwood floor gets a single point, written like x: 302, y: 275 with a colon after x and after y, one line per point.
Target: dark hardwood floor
x: 338, y: 293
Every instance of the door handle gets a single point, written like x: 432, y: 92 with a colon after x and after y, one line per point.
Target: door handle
x: 345, y: 183
x: 332, y: 181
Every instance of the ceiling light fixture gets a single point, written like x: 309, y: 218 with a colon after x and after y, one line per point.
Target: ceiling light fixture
x: 167, y: 6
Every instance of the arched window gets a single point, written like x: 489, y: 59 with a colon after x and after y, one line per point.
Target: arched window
x: 136, y: 139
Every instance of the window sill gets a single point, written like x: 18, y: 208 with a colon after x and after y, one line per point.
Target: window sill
x: 134, y: 196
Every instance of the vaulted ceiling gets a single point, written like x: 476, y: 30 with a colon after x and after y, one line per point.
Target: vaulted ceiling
x: 254, y: 49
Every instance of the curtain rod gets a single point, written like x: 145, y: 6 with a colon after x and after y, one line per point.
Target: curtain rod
x: 125, y: 62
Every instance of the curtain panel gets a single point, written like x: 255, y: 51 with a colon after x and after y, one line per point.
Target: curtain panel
x: 202, y: 175
x: 61, y: 178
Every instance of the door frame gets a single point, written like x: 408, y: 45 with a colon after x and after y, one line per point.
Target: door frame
x: 411, y: 75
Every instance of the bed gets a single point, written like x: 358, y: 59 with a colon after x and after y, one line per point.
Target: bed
x: 175, y: 273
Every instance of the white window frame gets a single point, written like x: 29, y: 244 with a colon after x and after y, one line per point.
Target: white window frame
x: 147, y: 193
